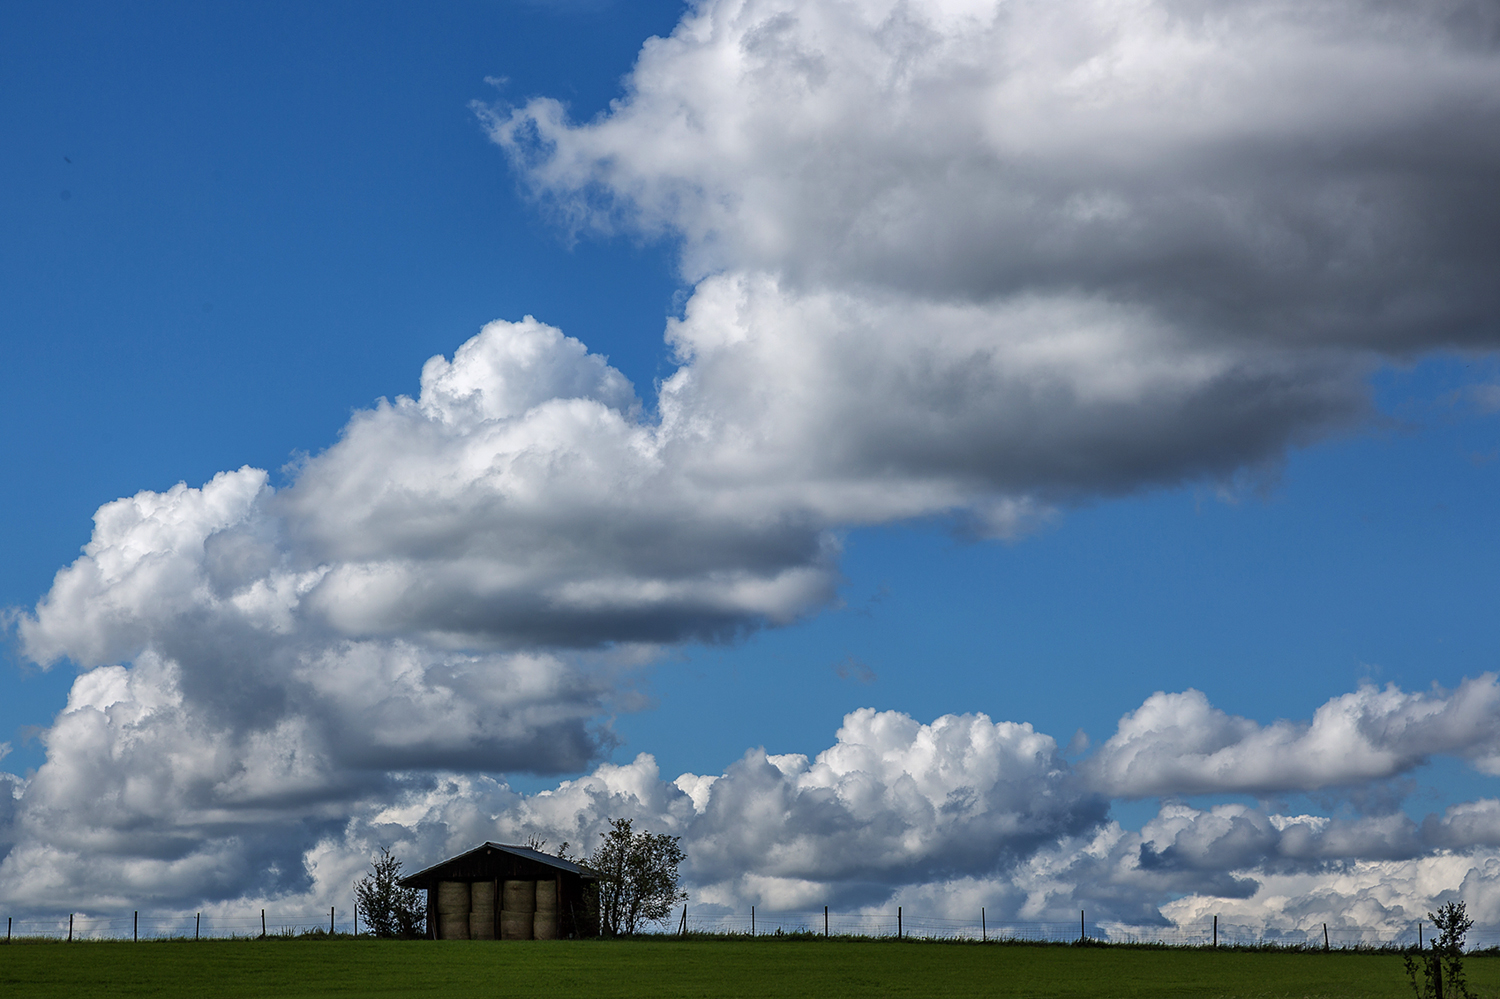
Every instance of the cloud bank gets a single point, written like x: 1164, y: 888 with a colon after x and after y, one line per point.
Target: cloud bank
x: 139, y: 805
x: 1072, y: 247
x: 964, y: 259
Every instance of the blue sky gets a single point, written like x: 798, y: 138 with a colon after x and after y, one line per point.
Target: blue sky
x: 229, y: 230
x: 274, y: 216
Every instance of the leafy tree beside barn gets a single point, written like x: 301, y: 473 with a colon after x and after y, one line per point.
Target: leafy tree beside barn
x: 638, y: 880
x: 386, y: 908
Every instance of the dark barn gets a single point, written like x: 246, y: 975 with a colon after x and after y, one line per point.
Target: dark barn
x: 499, y: 892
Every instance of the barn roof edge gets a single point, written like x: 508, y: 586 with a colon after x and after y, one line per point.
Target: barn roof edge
x: 428, y: 874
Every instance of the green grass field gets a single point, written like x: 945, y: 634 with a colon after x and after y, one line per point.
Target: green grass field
x: 662, y: 969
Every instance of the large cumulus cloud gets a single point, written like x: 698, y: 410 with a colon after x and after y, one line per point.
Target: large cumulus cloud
x: 1256, y: 169
x: 1048, y: 249
x: 1181, y: 744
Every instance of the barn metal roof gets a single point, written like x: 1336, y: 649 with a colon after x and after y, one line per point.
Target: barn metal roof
x: 523, y: 852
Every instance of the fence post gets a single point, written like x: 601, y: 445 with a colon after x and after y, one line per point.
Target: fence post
x: 1082, y: 932
x: 197, y: 924
x: 898, y: 922
x: 1419, y: 934
x: 330, y: 920
x: 825, y: 921
x: 1325, y: 936
x: 70, y: 927
x: 135, y: 928
x: 752, y: 920
x: 984, y: 933
x: 7, y: 929
x: 1216, y: 931
x: 262, y: 924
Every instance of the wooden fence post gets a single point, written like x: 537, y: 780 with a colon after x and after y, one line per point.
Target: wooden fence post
x: 825, y: 921
x: 1216, y: 931
x: 197, y: 924
x: 1082, y: 932
x: 135, y: 928
x: 1325, y: 936
x: 898, y: 922
x: 70, y: 927
x: 752, y: 920
x: 262, y: 924
x: 984, y: 933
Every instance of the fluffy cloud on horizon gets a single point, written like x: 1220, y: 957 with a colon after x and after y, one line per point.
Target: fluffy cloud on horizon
x: 965, y: 259
x: 934, y: 816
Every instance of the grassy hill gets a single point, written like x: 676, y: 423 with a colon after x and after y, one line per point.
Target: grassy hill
x: 665, y: 969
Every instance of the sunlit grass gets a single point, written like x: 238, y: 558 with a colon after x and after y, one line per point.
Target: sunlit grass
x: 661, y: 969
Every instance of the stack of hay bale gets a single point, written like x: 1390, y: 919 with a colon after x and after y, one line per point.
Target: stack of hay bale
x: 517, y: 910
x: 453, y: 910
x: 482, y: 912
x: 545, y: 925
x: 528, y: 910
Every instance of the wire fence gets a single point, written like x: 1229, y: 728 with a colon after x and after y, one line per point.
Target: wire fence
x: 981, y: 927
x: 984, y: 927
x: 181, y: 926
x: 272, y: 924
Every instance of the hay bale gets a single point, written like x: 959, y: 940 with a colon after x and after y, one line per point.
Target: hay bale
x: 516, y: 925
x: 544, y: 926
x: 453, y: 897
x: 519, y: 896
x: 482, y: 898
x: 481, y: 926
x: 546, y: 896
x: 453, y: 926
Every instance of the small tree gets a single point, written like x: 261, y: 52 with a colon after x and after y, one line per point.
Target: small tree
x: 638, y: 880
x: 388, y: 909
x: 1440, y: 973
